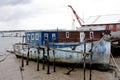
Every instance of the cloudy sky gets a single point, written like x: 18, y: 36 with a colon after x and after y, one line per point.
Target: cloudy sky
x: 51, y: 14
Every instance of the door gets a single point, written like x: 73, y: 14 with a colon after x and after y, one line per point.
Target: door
x: 82, y: 36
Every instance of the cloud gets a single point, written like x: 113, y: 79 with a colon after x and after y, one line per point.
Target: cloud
x: 13, y: 9
x: 36, y: 14
x: 13, y: 2
x: 17, y: 12
x: 12, y: 13
x: 36, y: 8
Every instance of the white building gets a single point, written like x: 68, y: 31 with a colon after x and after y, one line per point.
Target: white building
x: 105, y: 22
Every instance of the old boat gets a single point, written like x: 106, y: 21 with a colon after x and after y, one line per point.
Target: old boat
x: 69, y: 45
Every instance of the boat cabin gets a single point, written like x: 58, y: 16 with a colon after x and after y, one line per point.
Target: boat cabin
x: 63, y: 36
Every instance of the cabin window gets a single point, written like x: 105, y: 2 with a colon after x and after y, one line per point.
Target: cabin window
x: 53, y: 36
x: 67, y: 34
x: 30, y: 51
x: 32, y: 36
x: 34, y: 51
x: 91, y: 35
x: 45, y: 36
x: 37, y: 36
x: 28, y: 37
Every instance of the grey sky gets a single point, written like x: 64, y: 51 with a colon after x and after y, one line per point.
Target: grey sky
x: 50, y: 14
x: 13, y: 2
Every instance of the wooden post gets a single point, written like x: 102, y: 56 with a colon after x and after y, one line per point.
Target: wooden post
x: 27, y: 62
x: 43, y: 59
x: 91, y: 57
x: 22, y: 61
x: 22, y: 65
x: 53, y: 55
x: 84, y: 65
x: 48, y: 67
x: 38, y: 48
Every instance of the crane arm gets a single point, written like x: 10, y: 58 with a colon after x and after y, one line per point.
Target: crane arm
x: 76, y: 15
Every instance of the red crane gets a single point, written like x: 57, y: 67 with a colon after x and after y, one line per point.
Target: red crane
x: 76, y: 15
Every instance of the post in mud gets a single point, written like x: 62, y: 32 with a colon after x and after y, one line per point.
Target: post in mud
x: 38, y: 48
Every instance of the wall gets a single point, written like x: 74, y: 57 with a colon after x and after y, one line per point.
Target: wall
x: 74, y: 36
x: 50, y: 33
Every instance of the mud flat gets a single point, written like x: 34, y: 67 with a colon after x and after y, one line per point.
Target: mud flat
x: 10, y: 70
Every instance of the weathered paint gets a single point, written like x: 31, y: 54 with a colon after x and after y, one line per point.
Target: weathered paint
x: 41, y: 38
x: 101, y: 53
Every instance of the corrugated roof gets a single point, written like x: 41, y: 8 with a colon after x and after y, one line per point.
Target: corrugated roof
x: 103, y: 19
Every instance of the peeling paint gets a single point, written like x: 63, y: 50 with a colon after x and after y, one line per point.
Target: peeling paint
x: 101, y: 53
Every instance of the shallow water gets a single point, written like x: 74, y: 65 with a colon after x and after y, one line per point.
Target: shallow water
x: 6, y: 43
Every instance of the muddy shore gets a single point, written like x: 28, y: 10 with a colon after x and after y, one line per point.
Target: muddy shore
x: 10, y: 70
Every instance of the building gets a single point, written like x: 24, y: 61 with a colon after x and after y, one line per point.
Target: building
x: 107, y: 22
x: 12, y: 33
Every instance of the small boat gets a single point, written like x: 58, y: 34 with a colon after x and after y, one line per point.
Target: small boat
x: 69, y: 46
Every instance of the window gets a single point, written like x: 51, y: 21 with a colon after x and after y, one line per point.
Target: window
x: 30, y: 51
x: 28, y: 36
x: 32, y: 36
x: 67, y: 34
x: 46, y: 36
x: 91, y: 35
x: 34, y: 51
x: 37, y: 36
x: 54, y: 36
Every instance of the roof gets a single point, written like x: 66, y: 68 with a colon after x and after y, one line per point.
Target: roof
x: 103, y: 19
